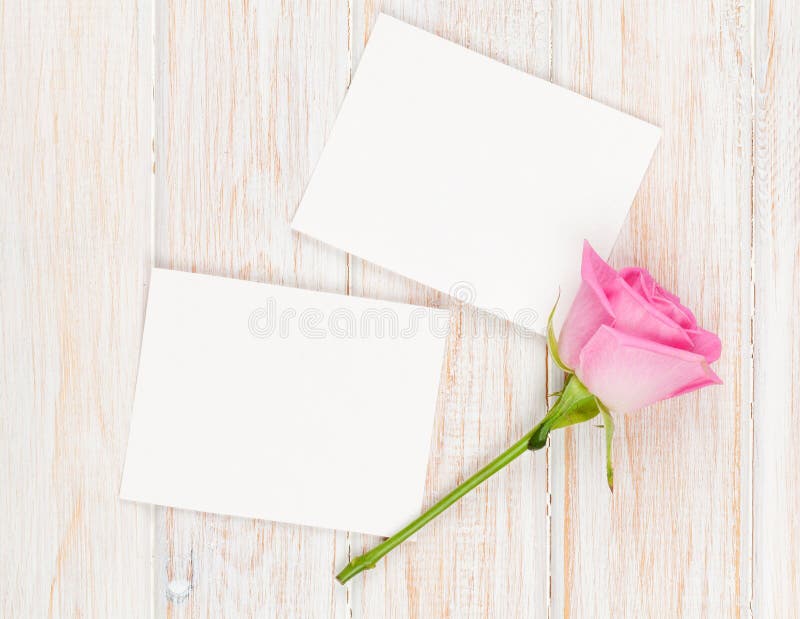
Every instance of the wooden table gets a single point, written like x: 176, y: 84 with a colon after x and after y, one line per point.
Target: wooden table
x: 181, y: 134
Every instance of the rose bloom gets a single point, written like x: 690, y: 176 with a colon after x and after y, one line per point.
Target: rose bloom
x: 632, y: 343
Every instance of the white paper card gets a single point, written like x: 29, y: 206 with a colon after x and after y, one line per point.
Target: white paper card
x: 283, y: 404
x: 472, y: 177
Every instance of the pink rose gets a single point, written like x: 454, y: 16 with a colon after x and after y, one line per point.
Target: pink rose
x: 632, y: 343
x: 626, y: 343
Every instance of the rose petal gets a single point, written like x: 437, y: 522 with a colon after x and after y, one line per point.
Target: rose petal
x: 636, y: 316
x: 594, y: 270
x: 640, y: 280
x: 587, y: 314
x: 667, y: 303
x: 676, y: 312
x: 706, y: 343
x: 590, y: 309
x: 663, y: 292
x: 627, y: 372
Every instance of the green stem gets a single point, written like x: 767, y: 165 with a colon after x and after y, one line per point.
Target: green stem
x: 368, y: 560
x: 535, y: 439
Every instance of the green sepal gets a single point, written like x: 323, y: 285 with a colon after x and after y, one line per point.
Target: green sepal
x: 608, y: 424
x: 552, y: 342
x: 582, y: 410
x: 575, y: 405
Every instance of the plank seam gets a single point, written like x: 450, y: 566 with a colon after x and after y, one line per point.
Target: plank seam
x: 153, y: 117
x: 752, y: 311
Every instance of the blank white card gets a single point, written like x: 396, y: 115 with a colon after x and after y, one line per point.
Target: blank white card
x: 472, y: 177
x: 283, y: 404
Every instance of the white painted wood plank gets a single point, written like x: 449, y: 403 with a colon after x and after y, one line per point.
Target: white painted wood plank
x: 245, y: 97
x: 776, y: 477
x: 673, y: 540
x: 487, y: 556
x: 75, y: 170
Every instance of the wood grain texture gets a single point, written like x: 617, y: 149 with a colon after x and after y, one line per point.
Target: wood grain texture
x: 488, y: 555
x: 75, y: 130
x: 672, y: 540
x: 776, y: 472
x: 245, y: 96
x: 181, y: 134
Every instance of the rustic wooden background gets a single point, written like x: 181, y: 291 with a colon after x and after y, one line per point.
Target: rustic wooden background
x: 181, y: 134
